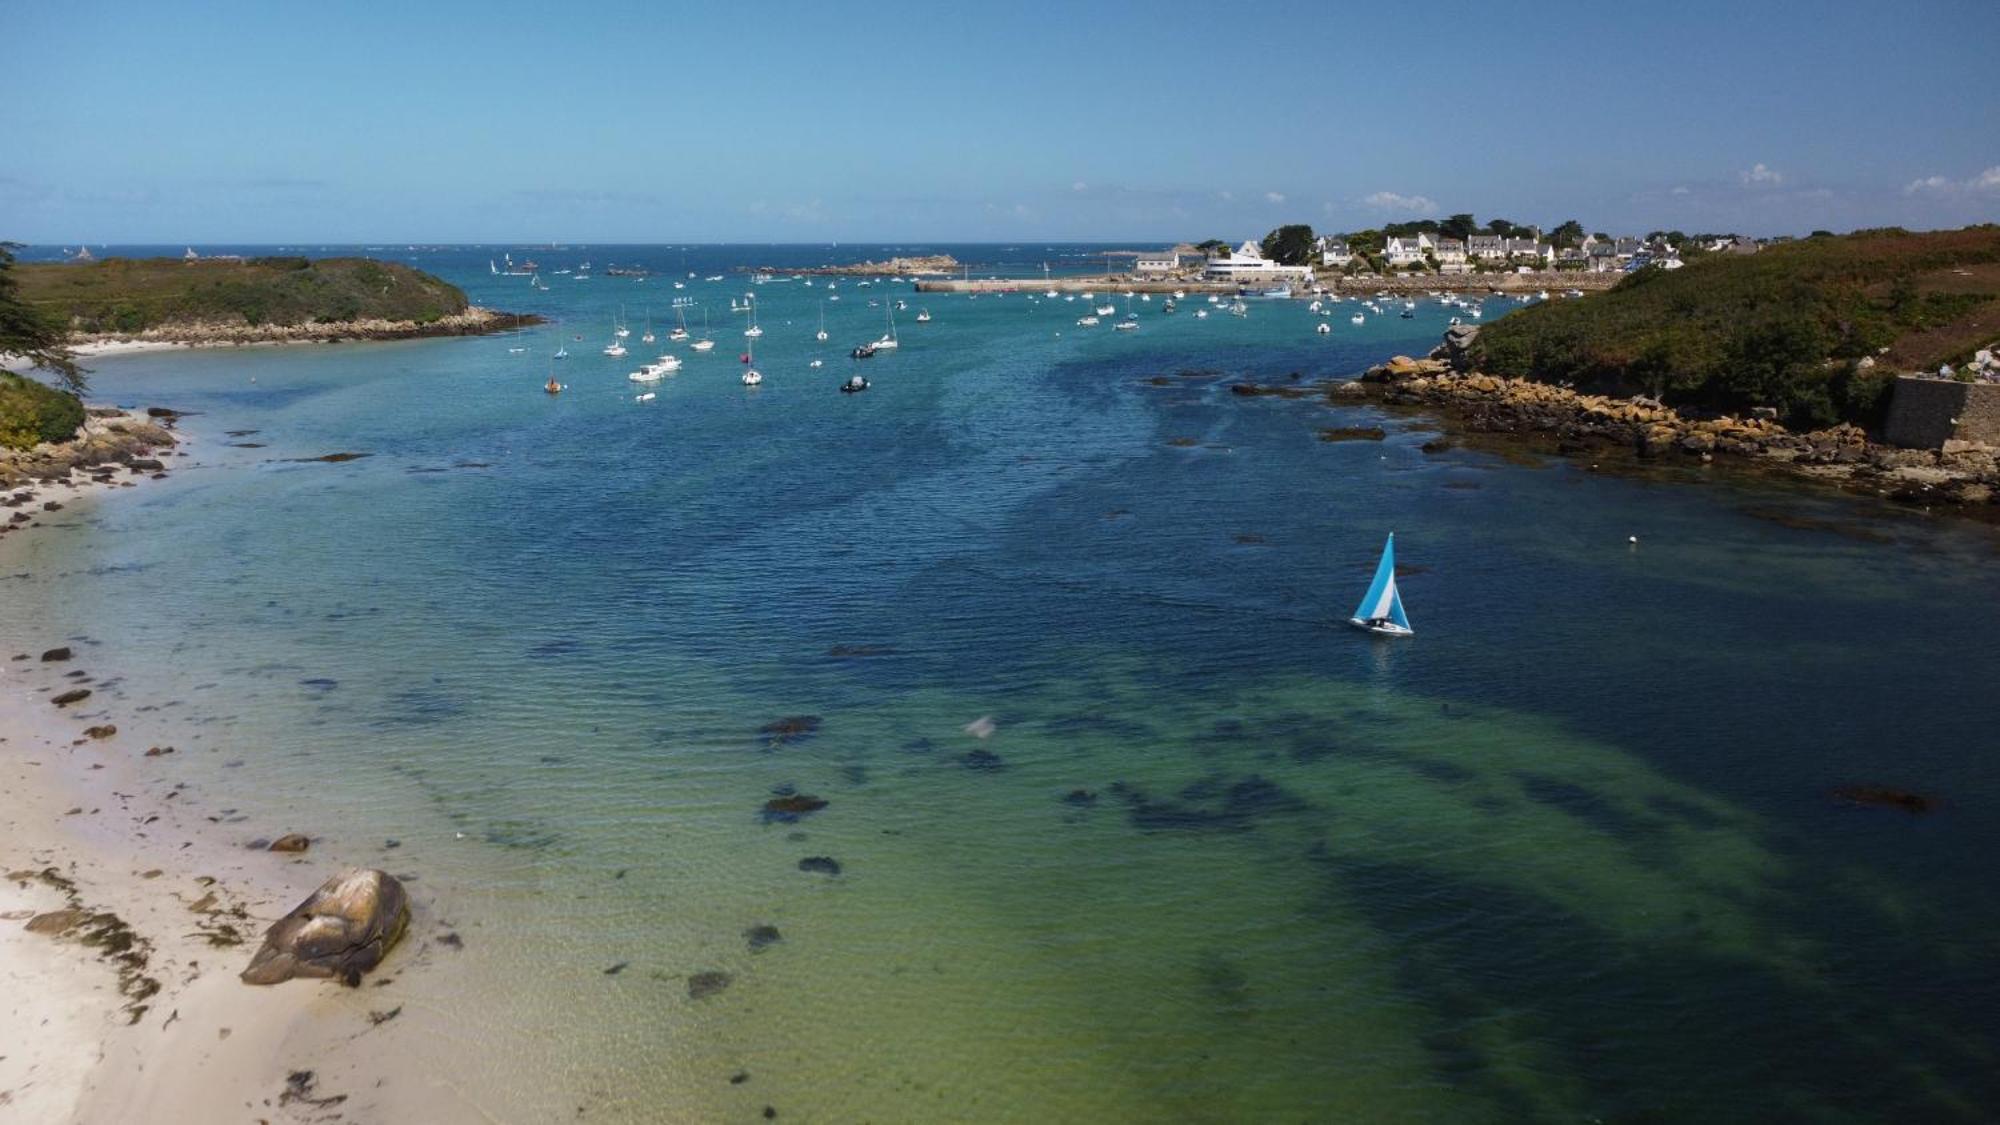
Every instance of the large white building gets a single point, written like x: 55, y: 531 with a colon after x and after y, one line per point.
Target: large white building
x: 1166, y: 261
x: 1248, y: 263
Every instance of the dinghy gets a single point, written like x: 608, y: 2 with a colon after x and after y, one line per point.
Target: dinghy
x: 1381, y: 608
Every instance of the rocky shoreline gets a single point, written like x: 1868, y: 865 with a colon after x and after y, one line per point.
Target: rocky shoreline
x: 1964, y: 476
x: 109, y: 441
x: 474, y: 321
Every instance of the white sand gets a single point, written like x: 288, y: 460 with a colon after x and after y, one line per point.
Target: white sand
x: 136, y: 842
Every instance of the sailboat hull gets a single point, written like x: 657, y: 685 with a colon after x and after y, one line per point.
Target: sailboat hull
x: 1381, y: 628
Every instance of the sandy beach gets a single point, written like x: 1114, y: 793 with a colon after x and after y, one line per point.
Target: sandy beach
x: 128, y: 907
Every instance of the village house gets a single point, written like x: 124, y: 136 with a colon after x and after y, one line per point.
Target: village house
x: 1334, y: 252
x: 1486, y: 248
x: 1407, y: 249
x: 1248, y: 264
x: 1163, y: 262
x: 1529, y: 251
x: 1451, y: 256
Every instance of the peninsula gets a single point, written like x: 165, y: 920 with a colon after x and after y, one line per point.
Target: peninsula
x: 243, y: 301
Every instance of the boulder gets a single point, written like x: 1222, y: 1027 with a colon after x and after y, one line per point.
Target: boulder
x: 291, y: 842
x: 55, y: 654
x: 341, y: 930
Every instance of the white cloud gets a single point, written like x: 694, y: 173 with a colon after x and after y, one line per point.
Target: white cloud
x: 1274, y: 197
x: 1763, y: 175
x: 1227, y: 196
x: 1987, y: 181
x: 1680, y: 190
x: 1390, y: 201
x: 1079, y: 186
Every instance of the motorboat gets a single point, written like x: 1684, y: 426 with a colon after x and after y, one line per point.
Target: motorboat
x: 854, y: 386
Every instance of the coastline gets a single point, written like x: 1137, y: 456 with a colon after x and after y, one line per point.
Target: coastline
x: 475, y: 321
x: 122, y: 999
x: 1332, y: 283
x: 1962, y: 479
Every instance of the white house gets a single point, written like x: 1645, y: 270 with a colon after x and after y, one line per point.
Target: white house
x: 1334, y: 252
x: 1407, y: 249
x: 1486, y: 248
x: 1530, y: 252
x: 1166, y: 261
x: 1248, y: 263
x: 1451, y: 256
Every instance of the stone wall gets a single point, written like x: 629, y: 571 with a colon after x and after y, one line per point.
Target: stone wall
x: 1926, y: 413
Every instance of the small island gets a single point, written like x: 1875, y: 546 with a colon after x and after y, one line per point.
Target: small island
x: 207, y: 302
x: 897, y: 267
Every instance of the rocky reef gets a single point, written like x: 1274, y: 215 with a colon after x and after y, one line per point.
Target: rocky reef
x: 474, y: 321
x: 1568, y: 423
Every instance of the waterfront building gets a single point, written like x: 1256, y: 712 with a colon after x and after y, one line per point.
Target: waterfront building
x: 1334, y: 251
x: 1248, y: 263
x: 1164, y: 262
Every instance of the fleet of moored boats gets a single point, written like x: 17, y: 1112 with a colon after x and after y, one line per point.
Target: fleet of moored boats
x: 1381, y: 609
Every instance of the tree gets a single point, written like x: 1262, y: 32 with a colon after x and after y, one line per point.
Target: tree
x: 26, y: 332
x: 1501, y: 227
x: 1290, y: 245
x: 1459, y: 226
x: 1568, y: 234
x: 1212, y: 246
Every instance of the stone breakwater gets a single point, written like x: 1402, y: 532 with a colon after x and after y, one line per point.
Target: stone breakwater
x: 110, y: 443
x: 1571, y: 424
x: 474, y: 321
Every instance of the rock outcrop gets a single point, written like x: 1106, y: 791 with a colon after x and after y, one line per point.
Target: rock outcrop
x: 341, y: 931
x: 1964, y: 474
x: 104, y: 441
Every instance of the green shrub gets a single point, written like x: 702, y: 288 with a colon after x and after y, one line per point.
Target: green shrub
x: 32, y: 412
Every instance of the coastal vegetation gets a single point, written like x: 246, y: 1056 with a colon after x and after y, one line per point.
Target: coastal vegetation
x: 133, y: 295
x: 1812, y: 328
x: 30, y: 411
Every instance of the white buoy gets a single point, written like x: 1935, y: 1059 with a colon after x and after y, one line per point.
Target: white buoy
x: 1631, y: 539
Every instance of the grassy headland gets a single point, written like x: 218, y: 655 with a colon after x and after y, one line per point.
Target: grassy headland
x: 32, y: 412
x: 134, y: 295
x: 1814, y: 328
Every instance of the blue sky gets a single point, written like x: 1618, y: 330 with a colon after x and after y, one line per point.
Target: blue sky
x: 448, y: 121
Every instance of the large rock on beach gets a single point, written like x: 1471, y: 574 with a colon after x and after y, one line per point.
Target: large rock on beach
x: 341, y: 930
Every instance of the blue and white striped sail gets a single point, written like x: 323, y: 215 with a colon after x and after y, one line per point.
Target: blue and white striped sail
x: 1382, y: 600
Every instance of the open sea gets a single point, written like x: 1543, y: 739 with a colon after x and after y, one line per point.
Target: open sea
x: 1568, y: 854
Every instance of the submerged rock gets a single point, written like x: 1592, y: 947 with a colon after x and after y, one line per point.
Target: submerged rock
x: 788, y: 809
x: 100, y: 732
x: 1884, y: 797
x: 791, y: 728
x: 74, y: 695
x: 705, y: 984
x: 820, y: 864
x: 1352, y: 433
x: 1082, y: 798
x: 762, y: 937
x: 56, y: 654
x: 341, y: 930
x: 983, y: 760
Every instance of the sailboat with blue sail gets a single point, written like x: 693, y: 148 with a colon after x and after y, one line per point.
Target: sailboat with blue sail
x: 1381, y: 608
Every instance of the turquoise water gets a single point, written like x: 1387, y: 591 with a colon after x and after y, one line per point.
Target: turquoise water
x: 1566, y: 854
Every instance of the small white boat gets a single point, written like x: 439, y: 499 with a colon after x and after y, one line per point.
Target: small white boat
x: 1381, y: 608
x: 1104, y: 310
x: 815, y: 363
x: 647, y: 374
x: 1201, y: 314
x: 923, y: 316
x: 753, y: 331
x: 752, y: 377
x: 1125, y: 326
x: 1086, y: 322
x: 562, y: 353
x: 1323, y: 328
x: 1357, y: 318
x: 614, y: 348
x: 821, y: 334
x: 703, y: 345
x: 647, y: 397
